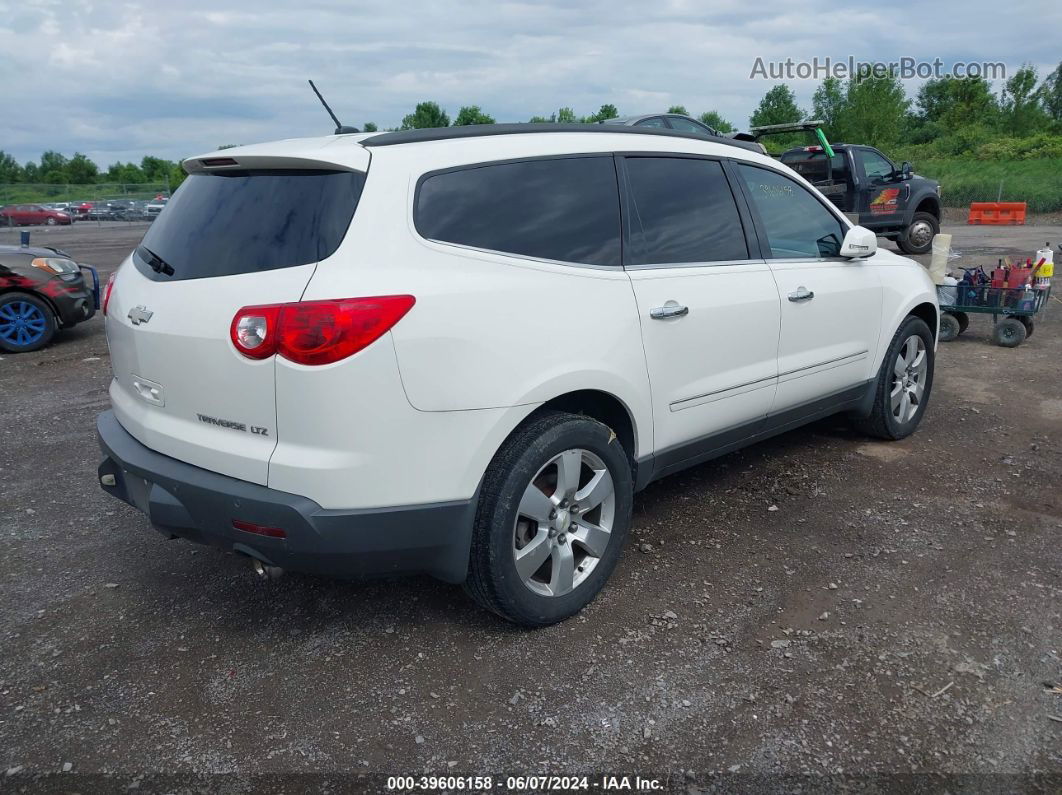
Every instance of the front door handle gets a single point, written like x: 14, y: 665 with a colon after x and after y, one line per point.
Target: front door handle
x: 669, y: 309
x: 801, y: 293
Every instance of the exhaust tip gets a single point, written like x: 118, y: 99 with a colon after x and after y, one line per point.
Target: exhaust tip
x: 265, y: 571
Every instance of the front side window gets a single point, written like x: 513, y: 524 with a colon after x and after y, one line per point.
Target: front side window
x: 682, y: 210
x: 656, y: 121
x: 797, y: 224
x: 564, y: 209
x: 876, y: 167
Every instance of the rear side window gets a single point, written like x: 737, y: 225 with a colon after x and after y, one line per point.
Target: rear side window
x: 249, y: 221
x: 565, y: 209
x: 682, y: 211
x: 796, y: 223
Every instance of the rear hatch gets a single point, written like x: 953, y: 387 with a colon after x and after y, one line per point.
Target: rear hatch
x: 243, y: 235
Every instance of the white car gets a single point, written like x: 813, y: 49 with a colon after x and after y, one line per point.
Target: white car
x: 462, y: 351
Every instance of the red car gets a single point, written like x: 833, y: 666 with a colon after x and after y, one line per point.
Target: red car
x: 31, y: 215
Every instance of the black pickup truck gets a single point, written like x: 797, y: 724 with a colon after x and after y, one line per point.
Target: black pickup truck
x: 865, y: 184
x: 860, y: 180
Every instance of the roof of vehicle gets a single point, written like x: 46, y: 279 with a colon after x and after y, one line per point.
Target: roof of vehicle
x: 629, y: 120
x: 483, y: 130
x: 465, y: 145
x: 30, y: 251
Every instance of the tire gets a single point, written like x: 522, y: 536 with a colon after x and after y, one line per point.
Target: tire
x: 889, y: 419
x: 26, y: 323
x: 1030, y: 326
x: 50, y: 221
x: 1009, y: 333
x: 950, y: 327
x: 917, y: 238
x: 527, y: 468
x: 964, y: 321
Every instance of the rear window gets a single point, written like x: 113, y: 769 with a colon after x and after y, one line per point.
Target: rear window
x: 815, y: 166
x: 564, y: 209
x: 249, y: 221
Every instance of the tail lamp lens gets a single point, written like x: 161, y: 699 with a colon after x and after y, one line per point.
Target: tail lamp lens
x: 316, y: 332
x: 254, y: 331
x: 107, y: 291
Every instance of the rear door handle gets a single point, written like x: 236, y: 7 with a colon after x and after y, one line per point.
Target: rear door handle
x: 669, y: 309
x: 802, y: 293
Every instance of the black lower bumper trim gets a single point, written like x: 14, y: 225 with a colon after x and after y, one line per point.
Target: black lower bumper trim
x: 189, y: 502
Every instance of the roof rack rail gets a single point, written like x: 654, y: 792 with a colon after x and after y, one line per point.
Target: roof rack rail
x: 524, y: 128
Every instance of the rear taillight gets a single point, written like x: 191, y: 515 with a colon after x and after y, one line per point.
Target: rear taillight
x: 107, y: 291
x: 254, y: 331
x: 316, y: 332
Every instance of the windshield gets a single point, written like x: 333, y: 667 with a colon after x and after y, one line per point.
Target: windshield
x: 248, y: 221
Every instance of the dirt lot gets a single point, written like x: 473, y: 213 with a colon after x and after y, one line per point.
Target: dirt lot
x: 817, y: 604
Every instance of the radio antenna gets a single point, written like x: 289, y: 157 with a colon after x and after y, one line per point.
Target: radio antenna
x: 341, y: 129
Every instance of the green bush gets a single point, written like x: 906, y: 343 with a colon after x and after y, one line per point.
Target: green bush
x: 1035, y: 147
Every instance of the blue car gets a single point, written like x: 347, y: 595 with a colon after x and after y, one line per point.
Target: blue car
x: 42, y: 290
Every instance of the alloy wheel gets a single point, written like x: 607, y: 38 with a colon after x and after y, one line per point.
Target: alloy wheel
x: 564, y: 522
x: 909, y: 379
x: 22, y: 323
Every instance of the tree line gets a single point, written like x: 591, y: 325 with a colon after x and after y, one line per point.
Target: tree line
x: 946, y: 118
x: 54, y: 168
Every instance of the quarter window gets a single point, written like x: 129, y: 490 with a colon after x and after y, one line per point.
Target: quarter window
x: 564, y: 209
x: 796, y: 223
x: 682, y: 211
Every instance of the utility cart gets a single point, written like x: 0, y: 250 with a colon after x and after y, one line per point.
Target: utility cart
x: 1012, y: 309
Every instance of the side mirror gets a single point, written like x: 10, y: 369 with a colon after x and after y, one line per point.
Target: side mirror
x: 859, y: 242
x: 905, y: 170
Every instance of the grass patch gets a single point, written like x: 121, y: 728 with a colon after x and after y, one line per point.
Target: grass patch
x: 964, y: 180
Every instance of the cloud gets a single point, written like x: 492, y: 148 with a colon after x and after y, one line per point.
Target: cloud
x: 118, y: 80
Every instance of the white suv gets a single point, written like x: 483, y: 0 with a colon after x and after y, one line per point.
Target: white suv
x: 462, y: 351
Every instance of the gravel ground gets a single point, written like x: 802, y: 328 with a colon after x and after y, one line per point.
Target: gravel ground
x: 818, y: 604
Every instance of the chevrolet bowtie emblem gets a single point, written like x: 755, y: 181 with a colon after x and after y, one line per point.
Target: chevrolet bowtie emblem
x: 140, y: 314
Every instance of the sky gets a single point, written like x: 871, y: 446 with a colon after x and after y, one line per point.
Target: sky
x: 118, y: 80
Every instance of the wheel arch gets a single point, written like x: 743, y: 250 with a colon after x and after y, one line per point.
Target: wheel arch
x: 920, y: 303
x: 39, y: 296
x: 605, y: 407
x: 928, y: 203
x: 928, y: 312
x: 601, y: 406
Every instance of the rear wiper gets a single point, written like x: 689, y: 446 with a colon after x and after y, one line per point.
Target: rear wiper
x: 155, y: 262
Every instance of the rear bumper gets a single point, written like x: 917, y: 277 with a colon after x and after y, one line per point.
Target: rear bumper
x: 188, y: 502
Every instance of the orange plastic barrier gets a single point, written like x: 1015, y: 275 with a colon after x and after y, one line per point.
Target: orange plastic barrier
x: 997, y: 213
